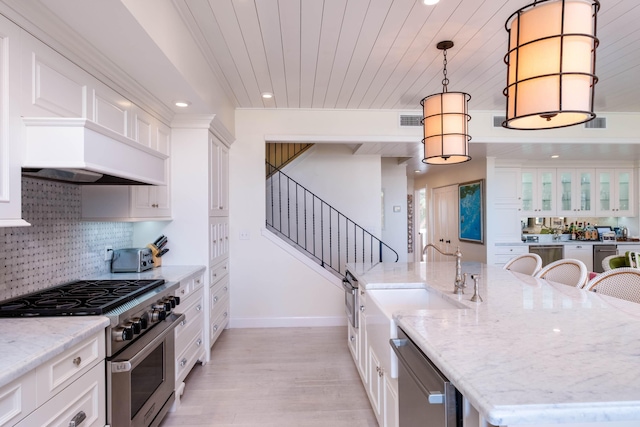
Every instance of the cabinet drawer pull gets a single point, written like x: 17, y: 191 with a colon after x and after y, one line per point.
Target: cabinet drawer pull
x: 182, y: 291
x: 184, y: 322
x: 77, y: 419
x: 199, y: 342
x: 77, y: 361
x: 199, y: 308
x: 226, y: 289
x: 215, y: 300
x: 215, y: 328
x: 225, y: 314
x: 352, y: 338
x: 183, y: 362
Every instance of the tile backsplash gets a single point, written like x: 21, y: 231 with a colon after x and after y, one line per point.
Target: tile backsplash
x: 58, y: 247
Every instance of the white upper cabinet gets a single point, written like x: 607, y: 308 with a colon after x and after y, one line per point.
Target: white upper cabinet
x: 576, y: 192
x: 10, y: 159
x: 52, y: 86
x: 218, y: 177
x: 614, y: 189
x: 538, y: 192
x: 508, y: 186
x: 111, y: 110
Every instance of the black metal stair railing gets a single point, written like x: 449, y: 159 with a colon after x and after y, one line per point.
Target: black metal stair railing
x: 318, y: 229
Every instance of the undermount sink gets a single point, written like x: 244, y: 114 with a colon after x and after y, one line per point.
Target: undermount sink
x: 392, y: 300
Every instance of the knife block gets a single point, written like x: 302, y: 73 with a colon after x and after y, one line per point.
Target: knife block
x: 157, y: 261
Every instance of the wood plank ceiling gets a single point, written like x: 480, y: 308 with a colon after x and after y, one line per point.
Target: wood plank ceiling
x: 381, y: 54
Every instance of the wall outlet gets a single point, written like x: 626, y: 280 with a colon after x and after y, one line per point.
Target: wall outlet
x: 244, y: 235
x: 108, y: 252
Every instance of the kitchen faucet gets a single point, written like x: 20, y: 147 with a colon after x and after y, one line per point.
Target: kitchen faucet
x: 461, y: 278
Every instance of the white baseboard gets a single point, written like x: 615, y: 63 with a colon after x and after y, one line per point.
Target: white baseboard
x: 286, y: 322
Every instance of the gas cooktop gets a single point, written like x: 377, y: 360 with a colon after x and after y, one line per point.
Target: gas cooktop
x: 82, y: 297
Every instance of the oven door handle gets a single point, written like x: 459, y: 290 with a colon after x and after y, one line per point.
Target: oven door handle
x: 118, y: 366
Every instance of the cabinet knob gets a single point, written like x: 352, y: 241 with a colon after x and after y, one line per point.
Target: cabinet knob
x: 362, y: 308
x: 77, y: 361
x: 215, y: 328
x: 199, y: 342
x: 183, y: 362
x: 225, y: 314
x: 199, y: 308
x: 352, y: 338
x: 215, y: 299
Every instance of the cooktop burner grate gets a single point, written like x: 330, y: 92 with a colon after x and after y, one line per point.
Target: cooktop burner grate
x: 82, y: 297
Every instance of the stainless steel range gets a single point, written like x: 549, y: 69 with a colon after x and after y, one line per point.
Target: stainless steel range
x: 139, y: 343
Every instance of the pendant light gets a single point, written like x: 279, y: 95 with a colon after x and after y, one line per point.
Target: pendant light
x: 551, y: 64
x: 445, y: 122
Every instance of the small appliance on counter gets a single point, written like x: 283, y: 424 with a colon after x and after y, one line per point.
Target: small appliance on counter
x: 131, y: 260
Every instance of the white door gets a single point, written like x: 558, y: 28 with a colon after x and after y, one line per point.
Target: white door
x: 445, y: 221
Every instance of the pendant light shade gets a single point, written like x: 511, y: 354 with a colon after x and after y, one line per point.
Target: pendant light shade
x: 551, y: 64
x: 445, y: 122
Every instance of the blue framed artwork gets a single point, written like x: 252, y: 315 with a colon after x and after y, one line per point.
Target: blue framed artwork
x: 471, y: 211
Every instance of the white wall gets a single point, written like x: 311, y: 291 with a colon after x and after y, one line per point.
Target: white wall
x: 394, y: 184
x: 269, y: 287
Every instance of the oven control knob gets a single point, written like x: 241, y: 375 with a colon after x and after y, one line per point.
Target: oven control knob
x: 141, y: 322
x: 136, y: 325
x: 122, y: 333
x: 177, y: 300
x: 158, y: 314
x: 173, y: 301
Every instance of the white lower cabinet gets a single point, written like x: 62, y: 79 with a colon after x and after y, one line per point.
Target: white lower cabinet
x: 218, y: 302
x: 502, y: 254
x: 81, y: 403
x: 582, y: 252
x: 372, y: 355
x: 70, y: 387
x: 390, y: 401
x: 189, y: 334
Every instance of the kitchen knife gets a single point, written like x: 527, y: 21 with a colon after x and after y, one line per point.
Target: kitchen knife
x: 162, y: 242
x: 162, y: 252
x: 157, y: 241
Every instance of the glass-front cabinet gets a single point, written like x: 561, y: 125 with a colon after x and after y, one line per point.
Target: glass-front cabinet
x: 614, y: 192
x: 538, y: 192
x: 576, y: 192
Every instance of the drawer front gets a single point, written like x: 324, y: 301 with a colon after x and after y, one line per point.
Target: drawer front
x: 184, y: 290
x: 193, y: 322
x: 192, y: 308
x: 83, y: 399
x: 190, y: 355
x: 197, y: 281
x: 16, y: 399
x: 218, y: 323
x: 59, y: 372
x: 219, y: 271
x: 219, y: 293
x: 352, y: 337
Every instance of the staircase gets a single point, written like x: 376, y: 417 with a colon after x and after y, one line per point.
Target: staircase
x: 316, y: 228
x: 280, y: 154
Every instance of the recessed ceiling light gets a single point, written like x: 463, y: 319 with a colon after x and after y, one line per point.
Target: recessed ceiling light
x: 555, y: 156
x: 417, y: 171
x: 182, y: 104
x: 267, y: 95
x: 430, y: 2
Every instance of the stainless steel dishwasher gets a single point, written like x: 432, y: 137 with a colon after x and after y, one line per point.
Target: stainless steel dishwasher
x: 548, y: 253
x: 426, y: 398
x: 600, y: 252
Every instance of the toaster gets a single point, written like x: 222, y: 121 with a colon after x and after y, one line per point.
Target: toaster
x: 131, y: 260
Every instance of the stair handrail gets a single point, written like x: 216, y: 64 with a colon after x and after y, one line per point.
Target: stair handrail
x: 270, y: 175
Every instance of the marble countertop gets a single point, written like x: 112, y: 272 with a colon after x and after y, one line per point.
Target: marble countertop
x: 26, y: 343
x: 569, y: 242
x: 533, y: 352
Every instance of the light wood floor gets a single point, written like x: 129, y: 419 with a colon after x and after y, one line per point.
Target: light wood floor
x: 302, y: 377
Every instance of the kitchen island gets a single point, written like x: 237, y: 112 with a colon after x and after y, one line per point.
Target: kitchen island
x: 532, y: 353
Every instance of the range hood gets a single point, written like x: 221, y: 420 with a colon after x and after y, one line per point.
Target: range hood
x: 84, y: 152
